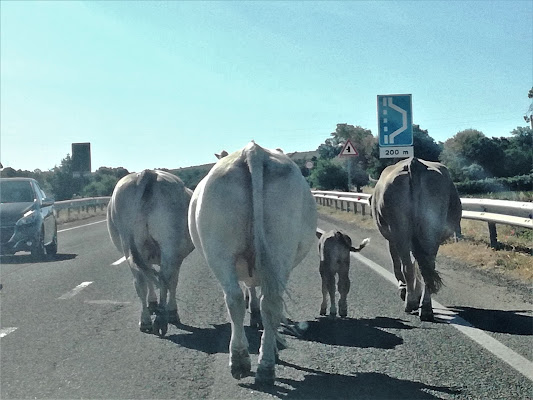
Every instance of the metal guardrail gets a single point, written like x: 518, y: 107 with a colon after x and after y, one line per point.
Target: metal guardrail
x: 505, y: 212
x: 80, y: 204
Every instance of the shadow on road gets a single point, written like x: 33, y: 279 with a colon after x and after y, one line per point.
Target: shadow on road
x: 213, y: 340
x: 512, y: 322
x: 28, y: 259
x: 363, y: 333
x: 366, y: 385
x: 349, y: 332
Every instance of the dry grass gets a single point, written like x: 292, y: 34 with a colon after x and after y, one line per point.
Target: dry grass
x: 513, y: 261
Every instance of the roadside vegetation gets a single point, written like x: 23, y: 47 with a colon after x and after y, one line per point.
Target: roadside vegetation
x: 477, y: 164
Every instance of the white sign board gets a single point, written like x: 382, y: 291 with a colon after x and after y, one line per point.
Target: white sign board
x: 396, y: 152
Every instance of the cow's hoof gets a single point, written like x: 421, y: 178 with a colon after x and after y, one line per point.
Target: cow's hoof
x: 161, y: 324
x: 146, y: 327
x: 410, y: 307
x: 265, y: 375
x: 333, y: 315
x: 426, y: 315
x: 240, y: 364
x: 173, y: 317
x: 322, y: 311
x: 152, y: 307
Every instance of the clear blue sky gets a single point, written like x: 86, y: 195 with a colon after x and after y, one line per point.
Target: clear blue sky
x: 168, y: 84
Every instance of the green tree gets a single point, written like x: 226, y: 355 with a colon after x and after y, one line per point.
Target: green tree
x: 328, y: 176
x: 424, y: 145
x: 518, y: 152
x: 63, y: 184
x: 455, y: 149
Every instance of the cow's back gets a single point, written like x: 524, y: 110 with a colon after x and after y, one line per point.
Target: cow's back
x: 222, y: 208
x: 149, y: 210
x: 416, y: 198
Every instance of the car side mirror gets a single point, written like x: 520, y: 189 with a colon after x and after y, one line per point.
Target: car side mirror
x: 47, y: 202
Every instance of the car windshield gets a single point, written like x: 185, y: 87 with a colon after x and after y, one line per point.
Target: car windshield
x: 16, y: 192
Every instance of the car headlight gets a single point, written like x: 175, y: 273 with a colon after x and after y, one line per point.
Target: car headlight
x: 28, y: 218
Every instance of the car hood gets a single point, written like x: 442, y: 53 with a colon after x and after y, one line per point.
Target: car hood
x: 10, y: 213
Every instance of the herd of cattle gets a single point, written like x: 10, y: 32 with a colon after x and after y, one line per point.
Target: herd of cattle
x: 253, y: 218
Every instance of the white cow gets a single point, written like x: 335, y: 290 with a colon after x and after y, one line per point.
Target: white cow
x: 147, y: 222
x: 254, y: 219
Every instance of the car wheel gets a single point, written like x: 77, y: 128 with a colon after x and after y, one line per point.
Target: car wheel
x: 38, y: 252
x: 52, y: 247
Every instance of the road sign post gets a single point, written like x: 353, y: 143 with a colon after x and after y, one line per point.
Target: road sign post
x: 395, y: 126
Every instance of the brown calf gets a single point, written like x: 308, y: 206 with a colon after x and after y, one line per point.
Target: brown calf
x: 334, y: 248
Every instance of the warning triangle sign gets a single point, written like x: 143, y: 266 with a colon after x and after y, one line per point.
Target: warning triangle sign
x: 348, y: 150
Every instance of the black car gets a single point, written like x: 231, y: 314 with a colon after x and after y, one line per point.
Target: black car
x: 27, y: 218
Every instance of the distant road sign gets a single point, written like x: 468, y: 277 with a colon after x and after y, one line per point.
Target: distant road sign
x: 81, y: 158
x: 395, y: 120
x: 348, y: 150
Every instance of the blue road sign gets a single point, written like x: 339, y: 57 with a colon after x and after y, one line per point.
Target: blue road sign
x: 395, y: 120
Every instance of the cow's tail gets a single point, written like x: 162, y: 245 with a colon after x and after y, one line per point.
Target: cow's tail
x: 272, y: 286
x: 145, y: 188
x: 431, y: 276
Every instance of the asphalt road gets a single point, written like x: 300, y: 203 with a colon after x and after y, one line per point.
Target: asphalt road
x: 69, y: 329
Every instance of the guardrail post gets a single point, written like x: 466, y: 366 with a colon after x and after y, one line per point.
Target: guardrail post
x: 363, y: 210
x: 493, y: 235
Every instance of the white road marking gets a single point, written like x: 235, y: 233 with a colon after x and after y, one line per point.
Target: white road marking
x: 515, y: 360
x: 6, y: 331
x: 74, y: 291
x: 113, y: 302
x: 81, y: 226
x: 119, y: 261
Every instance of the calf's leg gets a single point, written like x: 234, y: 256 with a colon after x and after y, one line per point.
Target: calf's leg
x: 343, y: 287
x: 328, y: 289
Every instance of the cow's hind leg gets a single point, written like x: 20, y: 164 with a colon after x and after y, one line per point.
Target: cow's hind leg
x: 430, y: 282
x: 172, y: 308
x: 255, y: 311
x: 152, y: 297
x: 271, y: 312
x: 397, y: 268
x: 240, y: 364
x: 412, y: 297
x: 343, y: 287
x: 141, y: 286
x: 166, y: 279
